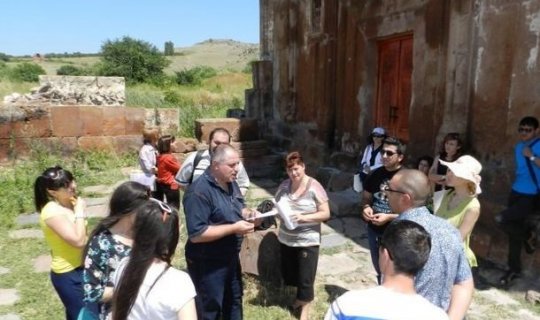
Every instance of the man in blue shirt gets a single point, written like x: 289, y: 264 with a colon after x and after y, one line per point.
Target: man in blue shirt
x: 522, y: 199
x: 446, y: 278
x: 215, y: 220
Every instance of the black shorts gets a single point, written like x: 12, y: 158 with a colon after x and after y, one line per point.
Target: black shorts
x: 299, y: 268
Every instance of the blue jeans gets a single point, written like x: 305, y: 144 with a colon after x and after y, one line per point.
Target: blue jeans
x: 69, y: 287
x: 374, y: 250
x: 219, y: 287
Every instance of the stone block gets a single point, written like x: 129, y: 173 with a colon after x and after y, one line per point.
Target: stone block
x: 64, y: 145
x: 344, y: 203
x: 324, y: 175
x: 245, y: 129
x: 135, y: 120
x: 344, y: 161
x: 480, y: 242
x: 259, y: 255
x: 8, y: 297
x: 96, y: 143
x: 31, y: 128
x: 184, y: 145
x: 92, y: 120
x: 340, y: 181
x: 42, y: 263
x: 66, y: 121
x: 125, y: 144
x: 114, y: 121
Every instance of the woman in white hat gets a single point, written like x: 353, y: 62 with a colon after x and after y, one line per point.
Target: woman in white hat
x: 460, y: 205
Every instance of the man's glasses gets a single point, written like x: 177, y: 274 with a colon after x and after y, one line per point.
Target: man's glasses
x: 525, y: 130
x: 166, y: 210
x: 386, y: 188
x: 388, y: 153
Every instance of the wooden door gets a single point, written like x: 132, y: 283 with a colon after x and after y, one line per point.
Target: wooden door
x: 394, y: 86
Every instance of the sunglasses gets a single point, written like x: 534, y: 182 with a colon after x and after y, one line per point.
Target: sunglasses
x: 386, y: 188
x: 388, y: 153
x: 166, y: 210
x: 376, y: 135
x: 525, y: 130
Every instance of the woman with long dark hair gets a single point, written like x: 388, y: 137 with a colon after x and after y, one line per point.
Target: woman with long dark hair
x: 109, y: 243
x: 63, y: 221
x: 146, y: 286
x: 451, y: 149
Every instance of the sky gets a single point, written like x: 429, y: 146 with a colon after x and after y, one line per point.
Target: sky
x: 57, y: 26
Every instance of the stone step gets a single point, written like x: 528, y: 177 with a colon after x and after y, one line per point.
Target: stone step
x: 267, y: 166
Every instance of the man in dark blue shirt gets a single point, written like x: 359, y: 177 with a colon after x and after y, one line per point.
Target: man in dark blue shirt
x: 215, y: 213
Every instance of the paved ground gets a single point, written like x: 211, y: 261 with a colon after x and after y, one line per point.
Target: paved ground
x: 344, y: 262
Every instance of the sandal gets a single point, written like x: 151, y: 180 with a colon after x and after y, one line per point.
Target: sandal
x: 530, y: 243
x: 508, y: 277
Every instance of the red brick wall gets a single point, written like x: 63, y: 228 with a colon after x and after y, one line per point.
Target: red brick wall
x: 69, y: 128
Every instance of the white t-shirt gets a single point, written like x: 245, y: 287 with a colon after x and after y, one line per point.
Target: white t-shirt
x: 383, y: 303
x: 169, y: 294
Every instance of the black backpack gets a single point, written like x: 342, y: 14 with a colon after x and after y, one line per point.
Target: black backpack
x: 267, y: 222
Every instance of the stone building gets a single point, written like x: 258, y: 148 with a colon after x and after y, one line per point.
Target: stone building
x: 331, y: 70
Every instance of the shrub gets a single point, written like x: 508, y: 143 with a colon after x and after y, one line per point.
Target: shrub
x: 27, y: 72
x: 4, y: 57
x: 195, y: 76
x: 135, y: 60
x: 68, y: 70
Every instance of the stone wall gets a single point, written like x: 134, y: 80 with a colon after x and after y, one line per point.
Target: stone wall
x: 475, y: 71
x: 70, y: 128
x: 73, y: 90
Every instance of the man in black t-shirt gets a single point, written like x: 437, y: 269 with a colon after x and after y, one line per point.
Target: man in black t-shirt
x: 375, y: 208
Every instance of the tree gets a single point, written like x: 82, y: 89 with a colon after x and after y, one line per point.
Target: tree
x: 169, y: 48
x: 135, y: 60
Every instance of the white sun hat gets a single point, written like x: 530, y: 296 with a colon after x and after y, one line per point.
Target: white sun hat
x: 468, y: 168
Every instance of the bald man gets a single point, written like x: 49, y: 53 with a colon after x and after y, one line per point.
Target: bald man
x: 446, y: 279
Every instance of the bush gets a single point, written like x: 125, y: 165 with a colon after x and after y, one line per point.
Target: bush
x: 195, y: 76
x: 68, y: 70
x: 27, y: 72
x: 135, y: 60
x: 4, y: 57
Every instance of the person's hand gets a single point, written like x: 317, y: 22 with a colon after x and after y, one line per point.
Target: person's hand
x: 79, y: 207
x: 249, y: 214
x: 380, y: 219
x: 244, y: 227
x: 297, y: 217
x: 527, y: 152
x: 367, y: 213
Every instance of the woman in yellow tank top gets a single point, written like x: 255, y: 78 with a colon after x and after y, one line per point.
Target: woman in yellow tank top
x: 63, y: 221
x: 460, y: 206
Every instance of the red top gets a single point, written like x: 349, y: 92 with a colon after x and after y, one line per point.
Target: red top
x: 168, y: 166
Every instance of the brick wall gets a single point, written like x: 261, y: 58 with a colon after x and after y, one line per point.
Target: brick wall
x: 68, y: 128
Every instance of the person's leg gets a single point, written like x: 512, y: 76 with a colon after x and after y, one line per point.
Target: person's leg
x: 289, y: 265
x: 374, y: 251
x: 308, y: 258
x: 70, y: 290
x: 209, y: 277
x: 173, y: 197
x: 159, y: 192
x: 232, y: 300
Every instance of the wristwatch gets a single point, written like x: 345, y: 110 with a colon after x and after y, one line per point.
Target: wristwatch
x: 532, y: 158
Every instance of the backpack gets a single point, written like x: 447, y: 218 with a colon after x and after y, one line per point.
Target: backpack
x: 267, y: 222
x: 196, y: 161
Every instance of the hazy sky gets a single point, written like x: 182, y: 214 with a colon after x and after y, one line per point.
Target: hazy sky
x: 58, y: 26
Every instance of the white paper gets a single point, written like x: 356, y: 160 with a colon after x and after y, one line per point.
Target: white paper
x: 284, y: 211
x: 259, y: 215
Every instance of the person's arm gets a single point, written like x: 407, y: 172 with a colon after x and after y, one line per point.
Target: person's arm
x: 322, y: 214
x: 188, y: 311
x: 433, y: 176
x: 72, y: 233
x: 528, y: 153
x: 147, y: 156
x: 172, y: 164
x: 242, y: 179
x: 94, y: 275
x: 215, y: 232
x: 460, y: 299
x: 380, y: 219
x: 367, y: 211
x: 469, y: 220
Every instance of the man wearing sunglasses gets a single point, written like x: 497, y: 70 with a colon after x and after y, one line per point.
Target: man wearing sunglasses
x: 376, y: 211
x: 446, y: 278
x: 196, y: 162
x: 215, y: 221
x: 523, y: 198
